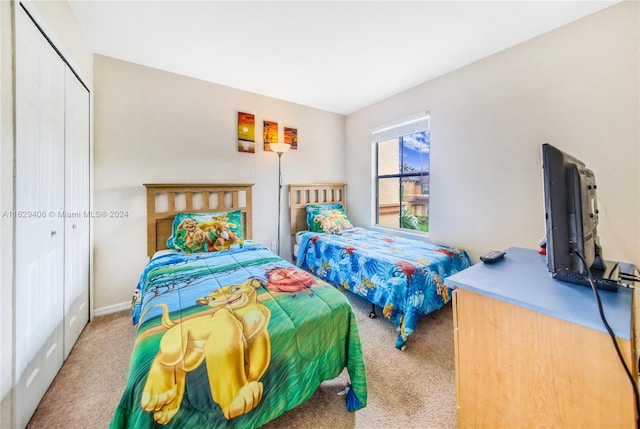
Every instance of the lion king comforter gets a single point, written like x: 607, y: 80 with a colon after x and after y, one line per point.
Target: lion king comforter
x: 404, y: 277
x: 233, y: 339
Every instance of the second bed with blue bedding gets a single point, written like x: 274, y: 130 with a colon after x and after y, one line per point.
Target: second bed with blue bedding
x: 404, y: 277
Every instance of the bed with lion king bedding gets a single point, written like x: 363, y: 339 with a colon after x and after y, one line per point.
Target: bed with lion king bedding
x: 228, y: 333
x: 234, y: 338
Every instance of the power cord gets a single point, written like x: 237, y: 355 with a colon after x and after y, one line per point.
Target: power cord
x: 629, y: 277
x: 633, y: 276
x: 613, y: 338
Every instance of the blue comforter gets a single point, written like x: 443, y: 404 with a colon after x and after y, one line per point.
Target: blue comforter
x: 403, y: 276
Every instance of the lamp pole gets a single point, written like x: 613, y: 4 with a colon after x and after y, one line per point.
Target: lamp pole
x: 279, y: 148
x: 279, y: 197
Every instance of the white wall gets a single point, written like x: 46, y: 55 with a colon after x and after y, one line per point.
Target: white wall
x: 576, y: 88
x: 153, y: 126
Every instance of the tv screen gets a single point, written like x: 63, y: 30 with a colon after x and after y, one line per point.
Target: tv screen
x: 571, y: 214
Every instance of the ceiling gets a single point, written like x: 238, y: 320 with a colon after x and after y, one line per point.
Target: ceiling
x: 338, y: 56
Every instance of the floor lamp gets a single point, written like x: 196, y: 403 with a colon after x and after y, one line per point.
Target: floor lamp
x: 279, y: 148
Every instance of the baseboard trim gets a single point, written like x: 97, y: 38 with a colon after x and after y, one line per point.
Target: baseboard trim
x: 111, y: 308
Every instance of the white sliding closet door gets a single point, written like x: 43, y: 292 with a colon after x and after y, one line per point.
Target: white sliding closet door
x: 76, y: 183
x: 39, y: 235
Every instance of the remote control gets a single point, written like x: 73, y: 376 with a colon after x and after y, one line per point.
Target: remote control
x: 493, y: 256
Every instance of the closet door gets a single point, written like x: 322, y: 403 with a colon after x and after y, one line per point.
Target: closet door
x: 39, y: 222
x: 76, y: 230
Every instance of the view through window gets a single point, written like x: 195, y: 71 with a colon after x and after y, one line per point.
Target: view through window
x: 402, y: 176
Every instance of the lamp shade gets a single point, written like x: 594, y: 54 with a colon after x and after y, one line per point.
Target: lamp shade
x: 279, y: 147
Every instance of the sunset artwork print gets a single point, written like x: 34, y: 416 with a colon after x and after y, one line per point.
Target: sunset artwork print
x: 291, y: 137
x: 246, y: 132
x: 269, y: 134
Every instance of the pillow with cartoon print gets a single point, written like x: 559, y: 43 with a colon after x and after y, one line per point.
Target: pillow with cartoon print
x: 329, y: 218
x: 206, y: 232
x: 314, y: 209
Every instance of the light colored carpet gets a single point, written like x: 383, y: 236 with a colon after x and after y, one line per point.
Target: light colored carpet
x: 408, y: 389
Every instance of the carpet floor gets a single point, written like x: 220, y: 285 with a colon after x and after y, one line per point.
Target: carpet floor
x: 410, y: 389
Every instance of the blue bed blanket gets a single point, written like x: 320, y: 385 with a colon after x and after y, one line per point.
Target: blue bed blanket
x: 404, y: 277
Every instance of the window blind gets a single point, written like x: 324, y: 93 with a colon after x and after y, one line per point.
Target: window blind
x: 402, y: 127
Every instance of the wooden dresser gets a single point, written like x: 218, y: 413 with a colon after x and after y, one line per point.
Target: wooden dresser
x: 532, y: 352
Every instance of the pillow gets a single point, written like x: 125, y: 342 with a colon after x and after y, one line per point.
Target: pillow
x: 205, y: 232
x: 329, y: 218
x: 312, y: 211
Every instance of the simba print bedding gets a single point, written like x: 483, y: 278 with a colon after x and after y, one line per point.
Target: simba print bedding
x: 233, y: 339
x: 402, y: 276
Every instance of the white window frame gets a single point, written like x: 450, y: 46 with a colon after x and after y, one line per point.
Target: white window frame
x: 408, y: 125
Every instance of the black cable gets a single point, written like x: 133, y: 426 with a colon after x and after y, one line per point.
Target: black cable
x: 613, y: 269
x: 613, y: 338
x: 629, y: 277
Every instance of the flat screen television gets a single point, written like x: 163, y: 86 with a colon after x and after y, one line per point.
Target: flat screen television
x: 571, y: 214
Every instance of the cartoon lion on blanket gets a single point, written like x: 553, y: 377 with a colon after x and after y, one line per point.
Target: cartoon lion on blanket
x: 232, y: 340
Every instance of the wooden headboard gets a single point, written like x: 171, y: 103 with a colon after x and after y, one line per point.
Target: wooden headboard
x: 165, y: 200
x: 315, y: 193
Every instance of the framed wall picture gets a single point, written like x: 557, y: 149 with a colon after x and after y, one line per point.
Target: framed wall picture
x: 246, y: 132
x: 291, y: 137
x: 269, y: 134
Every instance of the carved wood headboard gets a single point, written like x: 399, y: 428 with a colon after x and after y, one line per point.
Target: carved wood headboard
x: 165, y: 200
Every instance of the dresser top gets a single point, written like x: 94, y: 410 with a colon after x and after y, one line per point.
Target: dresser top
x: 522, y: 278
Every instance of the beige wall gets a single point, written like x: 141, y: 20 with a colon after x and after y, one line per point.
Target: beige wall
x: 576, y: 88
x: 153, y: 126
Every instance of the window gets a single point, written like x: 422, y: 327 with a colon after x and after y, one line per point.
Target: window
x: 402, y: 173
